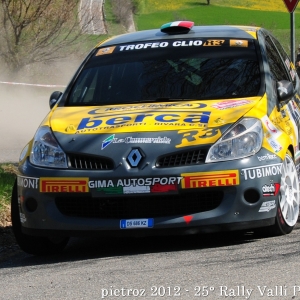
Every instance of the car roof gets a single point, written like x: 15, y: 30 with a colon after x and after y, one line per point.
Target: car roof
x: 212, y: 31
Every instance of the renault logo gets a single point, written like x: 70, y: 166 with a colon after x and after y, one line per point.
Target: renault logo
x: 134, y: 157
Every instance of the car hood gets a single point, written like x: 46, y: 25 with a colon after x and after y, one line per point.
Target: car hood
x: 164, y: 121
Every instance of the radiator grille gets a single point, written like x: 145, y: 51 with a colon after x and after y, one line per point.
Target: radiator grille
x: 139, y: 207
x: 87, y: 162
x: 194, y: 157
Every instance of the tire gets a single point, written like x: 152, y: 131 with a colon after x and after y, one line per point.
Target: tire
x: 35, y: 245
x: 288, y: 203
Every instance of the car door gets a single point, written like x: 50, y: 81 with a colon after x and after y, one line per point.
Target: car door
x: 287, y: 116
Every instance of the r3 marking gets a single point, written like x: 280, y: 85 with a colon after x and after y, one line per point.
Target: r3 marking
x: 214, y: 43
x: 196, y: 137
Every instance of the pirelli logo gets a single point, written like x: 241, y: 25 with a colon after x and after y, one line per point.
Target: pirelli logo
x: 64, y: 185
x: 210, y: 179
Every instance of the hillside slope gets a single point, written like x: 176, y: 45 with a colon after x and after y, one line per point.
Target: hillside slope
x: 265, y: 5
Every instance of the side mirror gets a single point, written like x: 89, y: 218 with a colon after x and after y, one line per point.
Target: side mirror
x: 54, y: 98
x: 285, y: 90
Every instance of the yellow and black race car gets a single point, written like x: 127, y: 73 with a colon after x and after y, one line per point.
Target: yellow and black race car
x: 182, y: 129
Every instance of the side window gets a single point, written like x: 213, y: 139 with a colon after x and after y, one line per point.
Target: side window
x: 277, y: 68
x: 83, y: 91
x: 286, y: 59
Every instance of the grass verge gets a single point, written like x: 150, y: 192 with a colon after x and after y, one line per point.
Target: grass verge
x: 7, y: 177
x: 154, y: 13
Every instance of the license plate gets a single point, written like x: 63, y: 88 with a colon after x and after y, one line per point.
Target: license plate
x: 136, y: 223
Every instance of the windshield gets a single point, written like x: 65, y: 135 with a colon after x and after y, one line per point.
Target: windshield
x: 130, y: 74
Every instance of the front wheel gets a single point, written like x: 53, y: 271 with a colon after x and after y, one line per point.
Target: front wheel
x: 33, y: 244
x: 288, y: 204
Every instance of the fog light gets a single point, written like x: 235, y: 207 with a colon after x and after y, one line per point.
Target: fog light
x: 251, y: 196
x: 31, y: 204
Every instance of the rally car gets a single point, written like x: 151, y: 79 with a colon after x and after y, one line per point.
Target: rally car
x: 178, y: 130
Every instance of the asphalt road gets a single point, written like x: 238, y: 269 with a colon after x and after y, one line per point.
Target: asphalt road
x: 90, y: 12
x: 219, y: 266
x: 215, y: 266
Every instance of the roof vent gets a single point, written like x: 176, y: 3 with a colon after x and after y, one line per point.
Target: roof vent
x: 178, y: 27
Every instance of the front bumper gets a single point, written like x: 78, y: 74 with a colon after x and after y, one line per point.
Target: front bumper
x: 98, y: 206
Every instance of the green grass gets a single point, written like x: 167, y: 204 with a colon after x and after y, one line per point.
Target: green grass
x: 278, y: 23
x: 7, y: 178
x: 216, y: 15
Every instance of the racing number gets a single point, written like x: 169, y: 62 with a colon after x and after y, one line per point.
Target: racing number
x: 214, y: 43
x: 195, y: 137
x: 205, y: 133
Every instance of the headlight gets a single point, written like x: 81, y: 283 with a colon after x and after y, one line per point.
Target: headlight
x: 23, y: 153
x: 242, y: 140
x: 45, y: 150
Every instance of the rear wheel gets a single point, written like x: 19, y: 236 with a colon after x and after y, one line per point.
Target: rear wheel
x: 33, y: 244
x: 288, y: 204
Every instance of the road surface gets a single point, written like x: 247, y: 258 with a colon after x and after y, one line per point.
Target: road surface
x: 214, y: 266
x: 91, y: 16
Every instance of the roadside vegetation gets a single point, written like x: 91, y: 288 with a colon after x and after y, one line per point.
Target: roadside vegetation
x: 7, y: 177
x: 148, y: 14
x: 270, y: 14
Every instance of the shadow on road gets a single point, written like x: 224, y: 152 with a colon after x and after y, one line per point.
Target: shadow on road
x: 90, y: 248
x: 84, y: 249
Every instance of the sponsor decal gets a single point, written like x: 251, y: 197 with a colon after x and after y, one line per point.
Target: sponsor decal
x: 107, y: 50
x: 132, y: 140
x: 110, y: 190
x: 230, y: 104
x: 293, y: 74
x: 267, y: 206
x: 155, y: 106
x: 131, y: 182
x: 107, y: 141
x: 272, y: 131
x: 136, y: 189
x: 294, y: 111
x: 163, y: 44
x: 28, y: 182
x: 21, y: 214
x: 64, y: 185
x: 157, y: 188
x: 174, y: 119
x: 210, y: 179
x: 260, y: 172
x: 270, y: 189
x: 141, y: 140
x: 266, y: 157
x: 287, y: 63
x: 181, y: 43
x: 275, y: 145
x: 238, y: 43
x: 22, y: 218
